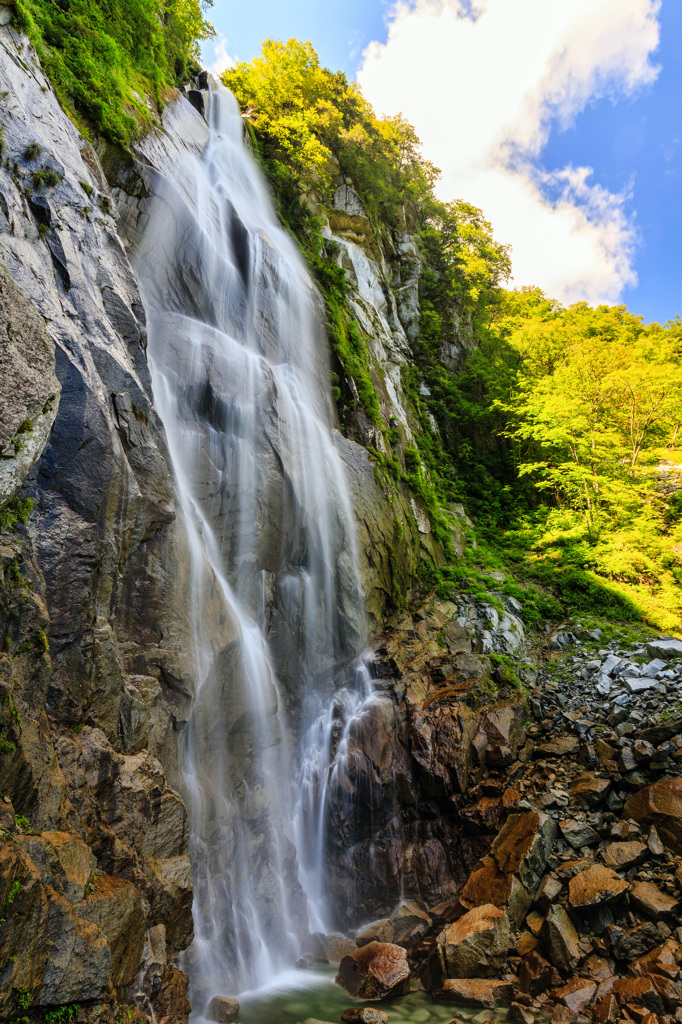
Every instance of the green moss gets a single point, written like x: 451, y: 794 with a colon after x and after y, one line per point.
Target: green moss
x: 33, y: 151
x: 105, y: 56
x: 15, y: 512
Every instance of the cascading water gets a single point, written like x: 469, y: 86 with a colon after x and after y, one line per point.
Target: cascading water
x: 275, y: 601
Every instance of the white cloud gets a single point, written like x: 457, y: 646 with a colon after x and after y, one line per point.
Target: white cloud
x: 484, y: 82
x: 221, y: 58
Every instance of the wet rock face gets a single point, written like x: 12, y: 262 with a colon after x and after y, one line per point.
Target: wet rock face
x: 29, y: 389
x: 403, y: 823
x: 96, y: 861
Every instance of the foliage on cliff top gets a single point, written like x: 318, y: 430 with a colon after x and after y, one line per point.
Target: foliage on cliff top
x: 563, y: 430
x: 307, y: 115
x: 109, y: 60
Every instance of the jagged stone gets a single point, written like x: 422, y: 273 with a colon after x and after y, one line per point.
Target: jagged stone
x: 625, y: 854
x: 476, y: 944
x: 485, y: 993
x: 597, y: 884
x: 578, y: 833
x: 376, y: 971
x: 588, y: 789
x: 649, y: 898
x: 660, y: 805
x: 640, y: 991
x: 576, y: 994
x: 564, y: 950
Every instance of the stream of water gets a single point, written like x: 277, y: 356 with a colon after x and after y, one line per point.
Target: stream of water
x: 276, y: 609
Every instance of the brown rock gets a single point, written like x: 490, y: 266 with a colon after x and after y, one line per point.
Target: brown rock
x: 409, y: 922
x: 662, y: 960
x: 560, y: 746
x: 485, y: 993
x: 576, y: 994
x: 640, y: 991
x: 597, y: 967
x: 518, y: 1014
x: 65, y: 863
x: 222, y: 1009
x: 562, y: 1015
x: 549, y: 890
x: 595, y: 885
x: 377, y: 970
x: 536, y: 922
x: 512, y: 871
x: 606, y: 1010
x: 660, y: 805
x: 526, y: 943
x: 649, y: 898
x: 623, y: 855
x: 364, y: 1015
x: 115, y: 906
x: 501, y: 733
x: 670, y: 991
x: 475, y: 945
x: 588, y: 789
x: 535, y: 974
x: 377, y: 931
x: 564, y: 951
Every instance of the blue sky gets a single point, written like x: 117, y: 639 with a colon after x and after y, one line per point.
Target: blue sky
x: 624, y: 122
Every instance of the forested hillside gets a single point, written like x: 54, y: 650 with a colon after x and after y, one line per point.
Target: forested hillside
x: 556, y: 427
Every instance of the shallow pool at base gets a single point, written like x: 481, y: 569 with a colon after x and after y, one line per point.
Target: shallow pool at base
x: 311, y: 997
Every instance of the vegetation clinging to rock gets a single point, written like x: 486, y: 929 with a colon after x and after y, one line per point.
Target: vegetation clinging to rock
x: 110, y: 60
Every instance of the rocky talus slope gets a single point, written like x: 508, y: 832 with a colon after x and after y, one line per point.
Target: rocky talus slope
x: 573, y: 912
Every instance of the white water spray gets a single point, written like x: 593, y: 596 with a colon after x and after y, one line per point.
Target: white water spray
x: 276, y: 608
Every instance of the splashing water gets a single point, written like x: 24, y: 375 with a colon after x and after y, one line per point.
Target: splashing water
x: 275, y: 603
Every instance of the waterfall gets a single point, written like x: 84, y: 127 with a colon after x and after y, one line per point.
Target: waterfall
x: 276, y: 609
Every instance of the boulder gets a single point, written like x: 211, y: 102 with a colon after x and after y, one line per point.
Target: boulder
x: 535, y: 974
x: 625, y: 854
x: 484, y: 993
x: 409, y: 922
x: 336, y: 946
x: 374, y: 972
x: 562, y: 938
x: 578, y: 833
x: 511, y: 873
x: 633, y: 943
x: 475, y: 945
x: 666, y: 647
x: 660, y: 805
x: 588, y: 789
x: 559, y: 746
x: 638, y: 991
x: 577, y: 994
x: 606, y: 1010
x: 501, y: 733
x: 222, y: 1009
x: 597, y: 884
x: 649, y: 898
